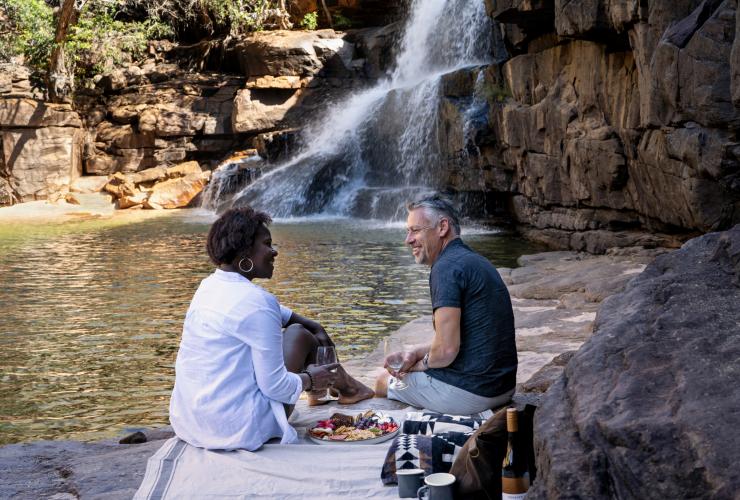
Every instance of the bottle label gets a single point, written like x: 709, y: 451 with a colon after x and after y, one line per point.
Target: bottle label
x: 514, y: 488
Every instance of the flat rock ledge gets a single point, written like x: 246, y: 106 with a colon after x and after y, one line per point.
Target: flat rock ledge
x: 556, y: 296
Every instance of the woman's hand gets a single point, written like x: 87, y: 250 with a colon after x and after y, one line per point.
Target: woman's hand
x: 322, y: 376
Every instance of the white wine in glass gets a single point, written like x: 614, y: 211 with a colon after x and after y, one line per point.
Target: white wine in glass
x: 395, y: 361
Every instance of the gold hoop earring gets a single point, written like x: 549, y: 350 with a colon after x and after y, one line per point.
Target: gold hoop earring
x: 251, y: 265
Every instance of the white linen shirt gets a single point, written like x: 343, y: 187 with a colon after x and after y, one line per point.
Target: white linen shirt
x: 230, y: 375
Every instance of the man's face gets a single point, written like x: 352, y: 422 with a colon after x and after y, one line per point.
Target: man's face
x: 423, y: 238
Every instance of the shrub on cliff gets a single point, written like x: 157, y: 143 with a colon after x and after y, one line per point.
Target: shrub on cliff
x: 27, y: 29
x: 96, y: 42
x: 103, y: 34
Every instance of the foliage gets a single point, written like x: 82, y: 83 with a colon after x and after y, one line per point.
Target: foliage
x: 492, y: 92
x: 99, y: 42
x: 310, y: 21
x: 109, y: 33
x: 218, y: 17
x: 341, y: 22
x: 28, y: 31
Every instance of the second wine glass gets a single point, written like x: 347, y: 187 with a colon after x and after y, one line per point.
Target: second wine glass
x: 395, y: 361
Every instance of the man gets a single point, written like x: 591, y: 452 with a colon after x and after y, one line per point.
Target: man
x: 470, y: 365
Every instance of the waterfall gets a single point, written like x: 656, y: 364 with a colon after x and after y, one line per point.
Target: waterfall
x: 379, y: 147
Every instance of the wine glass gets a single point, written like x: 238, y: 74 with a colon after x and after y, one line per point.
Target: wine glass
x: 395, y: 361
x: 326, y: 355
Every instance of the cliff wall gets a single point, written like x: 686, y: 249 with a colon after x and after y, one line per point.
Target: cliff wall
x: 612, y: 123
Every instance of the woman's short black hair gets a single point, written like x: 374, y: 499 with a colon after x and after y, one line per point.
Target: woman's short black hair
x: 233, y: 233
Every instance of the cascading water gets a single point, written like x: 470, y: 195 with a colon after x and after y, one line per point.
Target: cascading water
x: 380, y: 147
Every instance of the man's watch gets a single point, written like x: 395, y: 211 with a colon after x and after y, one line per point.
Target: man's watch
x: 425, y: 361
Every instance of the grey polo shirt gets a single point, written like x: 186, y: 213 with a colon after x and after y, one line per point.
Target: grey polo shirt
x: 487, y: 361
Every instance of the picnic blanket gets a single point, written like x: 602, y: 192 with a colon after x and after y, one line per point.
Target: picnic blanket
x: 299, y: 471
x: 429, y: 441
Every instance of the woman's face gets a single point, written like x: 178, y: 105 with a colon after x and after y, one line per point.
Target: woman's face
x: 262, y: 254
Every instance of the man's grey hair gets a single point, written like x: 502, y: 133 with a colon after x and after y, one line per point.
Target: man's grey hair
x: 436, y: 208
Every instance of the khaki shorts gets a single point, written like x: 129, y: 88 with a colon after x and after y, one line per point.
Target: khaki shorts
x: 424, y: 391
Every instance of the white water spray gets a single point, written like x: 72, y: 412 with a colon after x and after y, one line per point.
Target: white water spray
x: 380, y: 145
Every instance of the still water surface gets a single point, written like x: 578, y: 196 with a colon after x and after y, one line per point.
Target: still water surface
x: 91, y: 311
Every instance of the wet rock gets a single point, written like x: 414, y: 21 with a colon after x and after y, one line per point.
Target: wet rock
x: 649, y: 405
x: 275, y: 146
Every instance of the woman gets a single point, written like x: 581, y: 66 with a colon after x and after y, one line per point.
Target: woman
x: 237, y: 367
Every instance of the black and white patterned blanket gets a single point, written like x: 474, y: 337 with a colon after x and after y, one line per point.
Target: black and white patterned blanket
x: 429, y: 441
x: 429, y: 423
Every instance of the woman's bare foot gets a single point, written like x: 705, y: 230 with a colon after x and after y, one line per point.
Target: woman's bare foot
x: 354, y: 392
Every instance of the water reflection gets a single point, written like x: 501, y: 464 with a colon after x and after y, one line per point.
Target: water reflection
x: 92, y: 311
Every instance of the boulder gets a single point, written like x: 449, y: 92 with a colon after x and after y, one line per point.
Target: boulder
x: 136, y: 199
x: 294, y: 53
x: 263, y: 110
x: 89, y: 184
x: 650, y: 404
x: 148, y: 175
x: 177, y: 192
x: 183, y: 170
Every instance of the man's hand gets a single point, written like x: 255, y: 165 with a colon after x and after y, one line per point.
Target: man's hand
x: 409, y: 360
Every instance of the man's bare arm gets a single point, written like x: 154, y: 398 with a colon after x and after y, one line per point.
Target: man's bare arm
x: 446, y: 342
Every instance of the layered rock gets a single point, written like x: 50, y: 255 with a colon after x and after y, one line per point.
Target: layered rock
x: 611, y: 123
x: 158, y: 114
x: 292, y: 75
x: 40, y: 143
x: 649, y: 406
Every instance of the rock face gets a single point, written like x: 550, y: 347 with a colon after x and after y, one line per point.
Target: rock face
x: 649, y: 407
x: 40, y: 143
x: 159, y: 114
x: 607, y: 118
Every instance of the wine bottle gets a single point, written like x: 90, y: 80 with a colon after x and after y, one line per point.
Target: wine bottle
x: 514, y: 471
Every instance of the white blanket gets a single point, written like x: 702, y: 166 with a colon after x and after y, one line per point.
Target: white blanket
x: 302, y: 471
